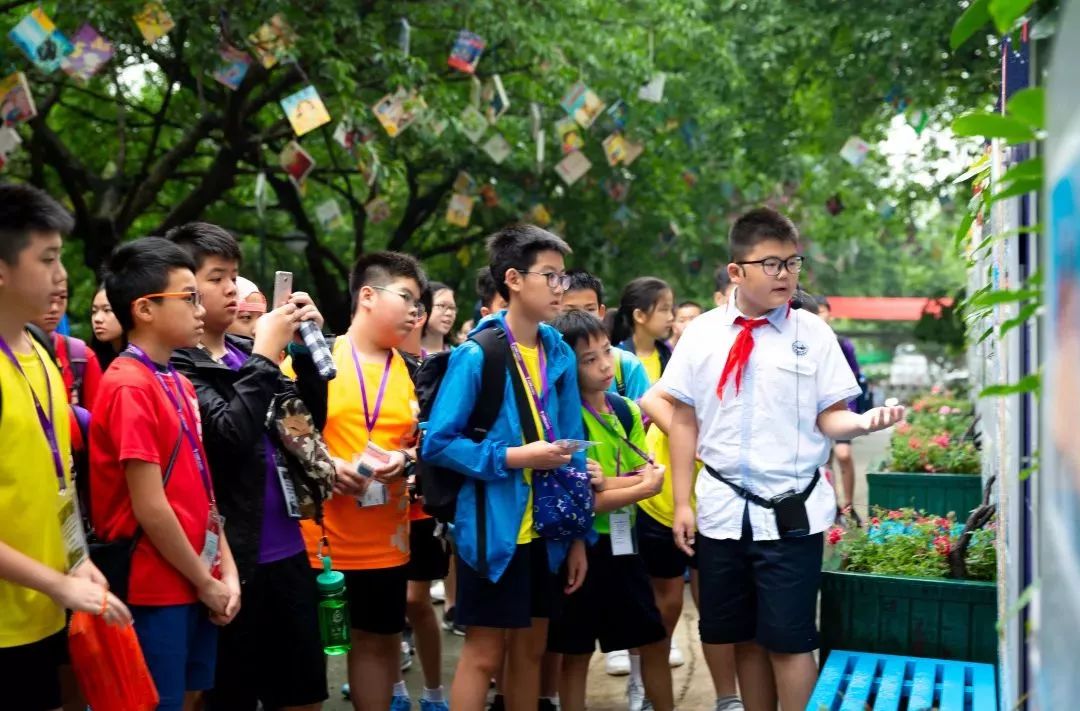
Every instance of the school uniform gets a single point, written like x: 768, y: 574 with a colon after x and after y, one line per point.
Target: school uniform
x: 760, y: 433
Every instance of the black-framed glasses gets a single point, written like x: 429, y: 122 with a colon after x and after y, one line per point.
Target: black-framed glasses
x: 554, y: 279
x: 447, y: 308
x: 772, y: 265
x: 410, y: 301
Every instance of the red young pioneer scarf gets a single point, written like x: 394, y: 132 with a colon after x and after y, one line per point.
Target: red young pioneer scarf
x: 739, y: 355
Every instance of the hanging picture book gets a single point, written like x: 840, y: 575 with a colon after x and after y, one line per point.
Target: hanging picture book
x: 305, y: 110
x: 90, y: 53
x: 466, y: 52
x: 464, y: 183
x: 615, y: 149
x: 632, y: 150
x: 616, y: 189
x: 616, y: 116
x: 328, y: 213
x: 855, y: 151
x: 368, y: 166
x: 569, y: 135
x: 397, y: 111
x: 623, y: 215
x: 233, y: 68
x: 9, y: 140
x: 40, y: 41
x: 154, y: 22
x: 653, y: 90
x: 296, y: 162
x: 459, y: 211
x: 572, y: 167
x: 476, y: 90
x: 350, y: 135
x: 494, y: 99
x: 404, y: 36
x: 377, y: 210
x: 489, y: 195
x: 582, y: 104
x: 16, y: 101
x: 272, y: 41
x: 473, y: 123
x: 436, y: 125
x: 539, y: 215
x: 497, y: 148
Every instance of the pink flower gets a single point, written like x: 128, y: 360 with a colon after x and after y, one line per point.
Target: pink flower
x: 914, y: 443
x: 894, y: 515
x: 919, y: 406
x: 942, y: 544
x: 875, y: 521
x: 945, y: 410
x: 836, y: 533
x: 929, y: 468
x: 944, y: 523
x: 942, y: 440
x: 936, y: 390
x: 903, y: 428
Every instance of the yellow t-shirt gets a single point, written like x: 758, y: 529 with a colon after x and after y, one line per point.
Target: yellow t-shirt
x: 662, y: 506
x: 531, y: 357
x: 29, y: 494
x: 652, y: 366
x: 370, y: 537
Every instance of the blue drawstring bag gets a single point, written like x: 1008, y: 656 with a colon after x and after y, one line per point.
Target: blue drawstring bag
x: 562, y: 503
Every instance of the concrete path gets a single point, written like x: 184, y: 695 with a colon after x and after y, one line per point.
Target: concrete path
x: 693, y: 686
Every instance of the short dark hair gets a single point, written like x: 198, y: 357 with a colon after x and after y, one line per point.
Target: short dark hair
x: 25, y: 209
x: 642, y: 293
x: 756, y: 226
x: 687, y: 304
x: 809, y: 302
x: 577, y: 326
x: 203, y: 239
x: 139, y: 268
x: 485, y: 287
x: 381, y: 268
x: 516, y: 247
x: 721, y: 278
x: 823, y: 302
x: 581, y: 280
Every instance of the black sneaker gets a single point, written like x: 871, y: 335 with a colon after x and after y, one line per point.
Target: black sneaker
x: 546, y: 705
x: 449, y: 625
x: 497, y: 703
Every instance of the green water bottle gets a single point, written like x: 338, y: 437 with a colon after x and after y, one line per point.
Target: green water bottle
x: 334, y: 623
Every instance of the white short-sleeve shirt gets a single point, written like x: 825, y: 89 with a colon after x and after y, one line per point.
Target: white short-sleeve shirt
x: 765, y: 438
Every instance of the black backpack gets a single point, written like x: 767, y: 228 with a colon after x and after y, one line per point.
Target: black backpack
x: 438, y: 485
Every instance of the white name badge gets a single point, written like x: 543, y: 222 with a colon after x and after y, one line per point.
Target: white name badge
x: 292, y: 502
x: 211, y: 551
x: 71, y: 527
x: 622, y: 533
x: 374, y: 495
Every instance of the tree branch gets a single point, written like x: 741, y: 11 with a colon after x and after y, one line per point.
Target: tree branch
x: 451, y: 246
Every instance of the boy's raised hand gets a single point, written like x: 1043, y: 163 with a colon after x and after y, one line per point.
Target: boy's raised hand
x: 348, y: 481
x: 274, y: 330
x: 538, y: 455
x: 881, y: 418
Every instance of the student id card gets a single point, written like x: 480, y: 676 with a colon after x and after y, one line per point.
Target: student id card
x: 211, y: 551
x: 292, y: 502
x: 366, y: 462
x: 622, y: 533
x: 575, y: 445
x: 71, y: 527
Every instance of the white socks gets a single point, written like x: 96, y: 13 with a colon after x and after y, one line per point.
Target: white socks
x: 433, y: 695
x: 635, y: 668
x: 400, y: 690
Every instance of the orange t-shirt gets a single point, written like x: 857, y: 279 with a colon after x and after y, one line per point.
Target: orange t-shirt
x: 370, y: 537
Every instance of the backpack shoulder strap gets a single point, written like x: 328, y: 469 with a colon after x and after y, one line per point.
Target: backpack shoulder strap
x: 622, y: 412
x: 42, y: 338
x: 489, y: 400
x: 620, y: 381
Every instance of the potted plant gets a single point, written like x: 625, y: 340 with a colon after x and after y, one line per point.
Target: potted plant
x: 933, y: 462
x: 913, y: 584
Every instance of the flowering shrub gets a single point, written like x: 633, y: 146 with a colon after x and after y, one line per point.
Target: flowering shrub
x: 931, y: 438
x: 907, y: 542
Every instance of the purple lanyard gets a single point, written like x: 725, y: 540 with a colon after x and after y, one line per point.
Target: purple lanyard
x: 46, y: 422
x: 372, y: 416
x: 604, y: 423
x: 538, y: 398
x: 182, y: 413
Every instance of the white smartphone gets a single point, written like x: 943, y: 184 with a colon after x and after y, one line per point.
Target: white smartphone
x: 282, y: 289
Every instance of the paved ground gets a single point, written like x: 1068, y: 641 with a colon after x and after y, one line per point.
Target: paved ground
x: 693, y: 687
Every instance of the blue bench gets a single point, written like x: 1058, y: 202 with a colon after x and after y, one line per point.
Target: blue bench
x: 861, y: 681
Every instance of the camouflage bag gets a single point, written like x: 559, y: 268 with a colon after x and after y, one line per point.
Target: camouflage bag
x: 304, y: 445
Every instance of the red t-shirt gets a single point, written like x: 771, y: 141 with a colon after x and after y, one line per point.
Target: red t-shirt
x: 134, y: 419
x: 91, y: 379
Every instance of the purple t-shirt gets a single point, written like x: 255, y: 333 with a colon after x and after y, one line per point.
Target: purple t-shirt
x: 848, y: 349
x: 280, y: 537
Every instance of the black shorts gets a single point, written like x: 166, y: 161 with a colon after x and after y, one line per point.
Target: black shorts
x: 656, y: 544
x: 527, y: 589
x: 30, y: 674
x: 764, y: 591
x: 841, y: 441
x: 271, y: 652
x: 614, y: 607
x: 429, y: 556
x: 377, y: 599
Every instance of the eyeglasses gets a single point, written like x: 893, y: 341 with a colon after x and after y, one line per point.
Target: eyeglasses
x: 772, y: 265
x: 554, y: 279
x: 449, y: 308
x: 411, y: 302
x: 192, y: 297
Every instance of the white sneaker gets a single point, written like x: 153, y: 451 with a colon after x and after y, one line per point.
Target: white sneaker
x: 617, y: 663
x: 675, y: 658
x: 438, y: 592
x: 729, y: 703
x: 635, y: 695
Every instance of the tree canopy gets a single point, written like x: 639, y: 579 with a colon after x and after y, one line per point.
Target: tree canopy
x: 759, y: 96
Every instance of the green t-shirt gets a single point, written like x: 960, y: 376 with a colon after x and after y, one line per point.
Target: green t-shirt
x: 612, y: 446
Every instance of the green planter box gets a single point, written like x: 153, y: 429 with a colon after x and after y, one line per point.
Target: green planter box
x: 933, y: 493
x: 921, y: 617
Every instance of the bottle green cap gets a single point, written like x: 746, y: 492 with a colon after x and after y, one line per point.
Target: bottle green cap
x: 330, y: 581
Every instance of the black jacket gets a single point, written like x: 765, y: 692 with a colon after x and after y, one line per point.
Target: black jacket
x: 234, y: 406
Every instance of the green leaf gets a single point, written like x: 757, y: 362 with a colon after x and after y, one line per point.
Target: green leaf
x: 986, y: 334
x: 977, y: 15
x: 1029, y: 105
x: 962, y: 230
x: 1018, y: 188
x: 993, y: 126
x: 1027, y: 384
x: 1030, y: 168
x: 1003, y: 296
x: 1007, y: 12
x: 1028, y: 311
x: 1022, y: 601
